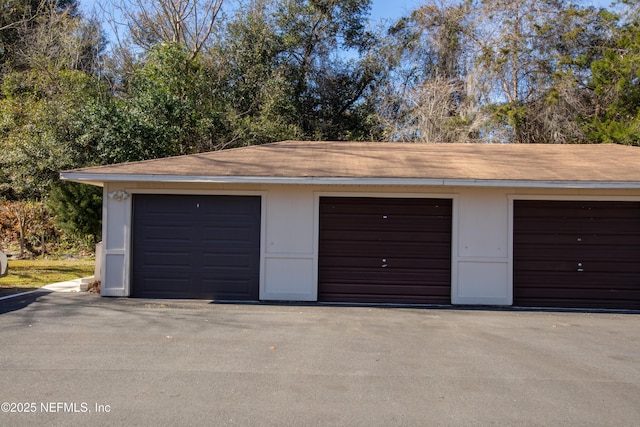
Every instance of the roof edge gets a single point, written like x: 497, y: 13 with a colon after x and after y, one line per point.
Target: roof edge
x: 100, y: 179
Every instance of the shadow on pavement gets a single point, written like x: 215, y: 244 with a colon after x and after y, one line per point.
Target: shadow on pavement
x: 10, y: 290
x: 21, y: 301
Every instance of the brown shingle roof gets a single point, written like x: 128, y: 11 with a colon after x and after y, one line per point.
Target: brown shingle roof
x: 359, y: 160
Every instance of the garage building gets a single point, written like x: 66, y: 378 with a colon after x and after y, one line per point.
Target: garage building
x: 367, y: 222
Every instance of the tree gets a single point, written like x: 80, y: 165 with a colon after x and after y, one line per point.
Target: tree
x: 314, y: 33
x: 78, y: 209
x: 61, y: 40
x: 168, y: 107
x: 536, y: 58
x: 557, y: 112
x: 616, y: 82
x: 188, y: 23
x: 19, y: 22
x: 30, y: 220
x: 505, y: 71
x: 515, y: 56
x: 282, y: 72
x: 246, y: 77
x: 51, y: 78
x: 38, y: 126
x: 430, y: 94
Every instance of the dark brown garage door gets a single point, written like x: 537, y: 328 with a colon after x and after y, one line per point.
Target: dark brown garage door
x: 196, y: 247
x: 385, y: 250
x: 576, y: 254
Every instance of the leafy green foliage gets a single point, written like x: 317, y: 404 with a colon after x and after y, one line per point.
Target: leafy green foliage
x: 616, y: 82
x: 168, y: 108
x: 38, y: 126
x: 284, y: 78
x: 78, y: 209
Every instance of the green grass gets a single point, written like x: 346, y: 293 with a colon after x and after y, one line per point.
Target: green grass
x: 27, y: 275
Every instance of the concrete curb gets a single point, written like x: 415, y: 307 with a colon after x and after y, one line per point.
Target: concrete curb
x: 76, y: 285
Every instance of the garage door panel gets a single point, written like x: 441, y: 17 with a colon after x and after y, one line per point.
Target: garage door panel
x: 577, y: 228
x: 561, y: 282
x: 158, y: 213
x: 572, y: 268
x: 194, y: 258
x: 393, y: 298
x: 568, y: 276
x: 226, y: 287
x: 590, y: 260
x: 223, y: 223
x: 166, y: 287
x: 370, y: 206
x: 382, y: 240
x: 575, y: 302
x: 385, y: 250
x: 357, y: 236
x: 229, y: 206
x: 625, y: 239
x: 378, y: 250
x: 228, y: 260
x: 227, y: 235
x: 385, y: 289
x: 578, y: 208
x: 363, y: 274
x: 440, y: 294
x: 366, y: 223
x: 577, y: 254
x: 156, y: 233
x: 587, y: 294
x: 401, y: 207
x: 373, y: 266
x: 166, y: 260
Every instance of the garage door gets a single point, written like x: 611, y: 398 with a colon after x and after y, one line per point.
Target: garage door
x: 576, y: 254
x: 385, y: 250
x: 196, y: 247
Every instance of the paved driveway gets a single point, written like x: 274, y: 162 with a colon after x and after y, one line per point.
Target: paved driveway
x: 85, y: 360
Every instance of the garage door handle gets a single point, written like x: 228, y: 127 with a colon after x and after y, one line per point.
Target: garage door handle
x: 580, y: 267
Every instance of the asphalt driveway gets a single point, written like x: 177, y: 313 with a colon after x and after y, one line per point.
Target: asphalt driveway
x: 78, y: 359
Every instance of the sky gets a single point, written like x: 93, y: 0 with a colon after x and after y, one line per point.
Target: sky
x: 385, y: 9
x: 392, y: 9
x: 381, y: 10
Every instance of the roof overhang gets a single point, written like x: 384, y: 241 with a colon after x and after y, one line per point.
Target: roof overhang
x: 101, y: 179
x: 576, y: 166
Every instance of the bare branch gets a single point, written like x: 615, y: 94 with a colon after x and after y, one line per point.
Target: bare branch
x: 190, y: 23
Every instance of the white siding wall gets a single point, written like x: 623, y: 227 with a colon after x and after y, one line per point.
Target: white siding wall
x: 481, y: 258
x: 290, y: 255
x: 116, y: 225
x: 480, y: 254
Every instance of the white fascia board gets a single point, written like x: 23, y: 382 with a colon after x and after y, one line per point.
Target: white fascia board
x: 544, y: 184
x: 100, y: 179
x: 88, y: 179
